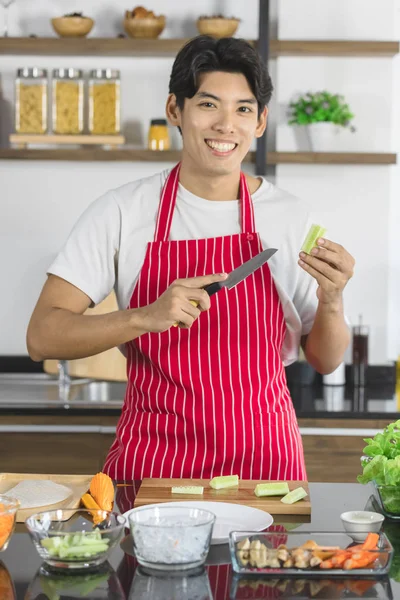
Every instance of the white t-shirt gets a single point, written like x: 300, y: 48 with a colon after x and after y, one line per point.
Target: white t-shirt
x: 106, y: 248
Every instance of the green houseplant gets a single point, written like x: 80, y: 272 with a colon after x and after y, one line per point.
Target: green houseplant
x: 325, y: 115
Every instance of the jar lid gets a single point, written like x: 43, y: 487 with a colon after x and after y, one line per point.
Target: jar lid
x: 104, y: 74
x: 158, y: 122
x: 31, y: 72
x: 68, y: 73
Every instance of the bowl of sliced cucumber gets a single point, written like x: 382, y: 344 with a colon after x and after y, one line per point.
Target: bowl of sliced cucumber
x: 75, y: 538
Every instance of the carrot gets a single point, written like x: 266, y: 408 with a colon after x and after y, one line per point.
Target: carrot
x: 360, y: 560
x: 371, y: 541
x: 326, y: 564
x: 6, y: 525
x: 340, y: 557
x: 336, y: 561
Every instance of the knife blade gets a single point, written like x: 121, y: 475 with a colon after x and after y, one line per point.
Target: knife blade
x: 238, y: 274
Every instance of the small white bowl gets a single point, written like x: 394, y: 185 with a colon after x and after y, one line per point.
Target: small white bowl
x: 359, y: 523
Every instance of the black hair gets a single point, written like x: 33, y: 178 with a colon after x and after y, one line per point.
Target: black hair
x: 204, y: 54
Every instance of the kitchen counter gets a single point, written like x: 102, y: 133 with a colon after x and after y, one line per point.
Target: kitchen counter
x: 40, y: 394
x: 126, y: 581
x: 47, y: 427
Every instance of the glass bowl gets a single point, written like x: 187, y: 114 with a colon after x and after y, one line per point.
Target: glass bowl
x: 171, y: 538
x: 75, y: 538
x: 8, y: 514
x: 389, y: 497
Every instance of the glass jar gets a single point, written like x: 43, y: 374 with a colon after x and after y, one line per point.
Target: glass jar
x: 67, y: 101
x: 104, y: 102
x: 31, y: 101
x: 158, y: 135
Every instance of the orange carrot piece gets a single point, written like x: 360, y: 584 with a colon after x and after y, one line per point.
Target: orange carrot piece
x: 359, y: 562
x: 371, y: 541
x: 339, y: 558
x: 102, y: 490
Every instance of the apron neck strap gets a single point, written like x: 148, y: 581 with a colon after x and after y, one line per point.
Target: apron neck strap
x: 168, y: 200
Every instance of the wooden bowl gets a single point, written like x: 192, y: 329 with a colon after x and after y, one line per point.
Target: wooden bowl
x: 217, y: 27
x: 149, y: 27
x: 72, y: 26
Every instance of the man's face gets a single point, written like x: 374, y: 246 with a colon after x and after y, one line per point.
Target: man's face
x: 220, y: 122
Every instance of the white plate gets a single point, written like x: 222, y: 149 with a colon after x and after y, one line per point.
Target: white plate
x: 230, y: 517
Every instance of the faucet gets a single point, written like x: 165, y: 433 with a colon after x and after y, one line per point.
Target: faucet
x: 63, y: 373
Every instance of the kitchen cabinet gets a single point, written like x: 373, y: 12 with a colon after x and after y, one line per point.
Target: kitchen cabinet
x: 79, y: 444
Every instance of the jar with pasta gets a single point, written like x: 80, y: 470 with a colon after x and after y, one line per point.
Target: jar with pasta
x: 104, y: 102
x: 31, y: 101
x: 67, y: 101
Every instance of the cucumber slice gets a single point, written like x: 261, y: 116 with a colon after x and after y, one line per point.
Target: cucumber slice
x: 188, y: 489
x: 271, y: 489
x: 294, y: 496
x: 316, y: 231
x: 225, y: 481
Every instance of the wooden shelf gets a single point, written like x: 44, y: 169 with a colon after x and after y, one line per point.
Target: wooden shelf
x: 333, y: 48
x: 134, y: 155
x: 169, y: 47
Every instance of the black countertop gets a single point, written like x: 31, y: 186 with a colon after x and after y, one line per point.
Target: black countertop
x: 40, y: 394
x: 122, y: 580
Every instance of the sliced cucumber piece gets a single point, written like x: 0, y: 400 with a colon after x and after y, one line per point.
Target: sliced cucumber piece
x: 271, y: 489
x: 294, y: 496
x: 188, y: 489
x: 316, y: 231
x: 224, y: 481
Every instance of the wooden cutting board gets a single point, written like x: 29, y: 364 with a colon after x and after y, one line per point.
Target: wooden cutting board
x: 78, y: 484
x: 153, y: 491
x: 107, y: 366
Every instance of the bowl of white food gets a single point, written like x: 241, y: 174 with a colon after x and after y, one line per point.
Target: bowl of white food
x: 168, y: 538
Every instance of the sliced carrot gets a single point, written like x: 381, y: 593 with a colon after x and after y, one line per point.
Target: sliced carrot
x: 358, y: 562
x: 326, y: 564
x: 371, y: 541
x: 340, y: 557
x: 102, y: 490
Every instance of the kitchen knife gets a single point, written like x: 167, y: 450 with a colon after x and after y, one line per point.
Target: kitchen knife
x: 238, y: 274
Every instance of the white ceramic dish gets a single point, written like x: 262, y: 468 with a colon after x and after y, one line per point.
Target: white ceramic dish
x: 359, y: 523
x: 229, y: 517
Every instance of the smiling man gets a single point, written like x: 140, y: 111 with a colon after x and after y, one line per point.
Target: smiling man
x: 209, y: 397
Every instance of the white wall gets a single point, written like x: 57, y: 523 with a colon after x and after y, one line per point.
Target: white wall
x: 40, y: 201
x: 358, y: 204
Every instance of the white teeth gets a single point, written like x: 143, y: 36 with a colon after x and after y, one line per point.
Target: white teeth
x: 221, y: 147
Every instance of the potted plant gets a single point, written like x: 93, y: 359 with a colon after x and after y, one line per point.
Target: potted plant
x: 323, y: 117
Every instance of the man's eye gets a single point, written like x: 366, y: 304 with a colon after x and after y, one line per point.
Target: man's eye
x: 207, y: 104
x: 245, y: 109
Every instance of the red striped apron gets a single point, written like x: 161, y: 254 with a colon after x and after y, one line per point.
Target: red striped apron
x: 209, y: 400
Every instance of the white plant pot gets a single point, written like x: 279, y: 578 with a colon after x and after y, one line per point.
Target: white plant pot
x: 327, y: 137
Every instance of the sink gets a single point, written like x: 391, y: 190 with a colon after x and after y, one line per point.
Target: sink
x: 36, y: 379
x: 41, y: 388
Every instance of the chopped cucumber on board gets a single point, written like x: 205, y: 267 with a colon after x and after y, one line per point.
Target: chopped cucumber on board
x: 316, y: 231
x: 224, y: 481
x: 271, y: 489
x: 188, y: 489
x: 294, y: 496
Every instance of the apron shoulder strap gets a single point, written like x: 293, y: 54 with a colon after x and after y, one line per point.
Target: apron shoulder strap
x: 168, y: 200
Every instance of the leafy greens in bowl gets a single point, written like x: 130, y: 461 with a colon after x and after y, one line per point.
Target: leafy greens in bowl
x: 381, y: 465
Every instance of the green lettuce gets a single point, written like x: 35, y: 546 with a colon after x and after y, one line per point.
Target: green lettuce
x: 383, y: 452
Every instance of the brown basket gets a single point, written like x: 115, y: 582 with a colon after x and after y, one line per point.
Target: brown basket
x: 150, y: 27
x: 217, y: 28
x: 72, y: 26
